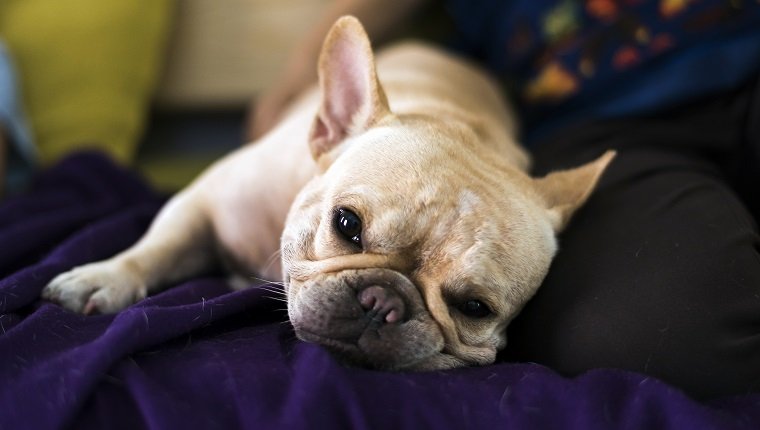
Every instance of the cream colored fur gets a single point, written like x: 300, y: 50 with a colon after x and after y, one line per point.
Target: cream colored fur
x: 423, y: 150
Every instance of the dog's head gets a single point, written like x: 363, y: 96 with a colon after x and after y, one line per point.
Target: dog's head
x: 412, y: 249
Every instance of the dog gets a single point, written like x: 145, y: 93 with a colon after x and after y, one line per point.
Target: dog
x: 409, y: 231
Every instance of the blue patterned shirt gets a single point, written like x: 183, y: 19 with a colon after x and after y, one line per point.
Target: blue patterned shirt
x: 571, y: 61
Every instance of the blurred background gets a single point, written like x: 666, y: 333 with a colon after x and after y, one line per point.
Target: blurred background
x: 219, y: 55
x: 160, y: 85
x: 166, y: 85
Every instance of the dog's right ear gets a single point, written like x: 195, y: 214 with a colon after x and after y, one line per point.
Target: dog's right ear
x: 352, y: 98
x: 565, y: 191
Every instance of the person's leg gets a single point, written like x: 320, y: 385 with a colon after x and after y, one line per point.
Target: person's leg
x: 660, y: 272
x: 748, y: 167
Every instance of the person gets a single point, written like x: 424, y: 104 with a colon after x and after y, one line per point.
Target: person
x: 17, y: 153
x: 660, y: 272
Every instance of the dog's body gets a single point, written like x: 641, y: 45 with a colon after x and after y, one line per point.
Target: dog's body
x: 410, y: 232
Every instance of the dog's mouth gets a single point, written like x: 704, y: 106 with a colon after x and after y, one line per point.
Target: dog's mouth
x: 351, y: 352
x: 368, y: 317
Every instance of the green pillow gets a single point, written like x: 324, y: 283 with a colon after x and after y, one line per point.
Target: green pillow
x: 88, y: 69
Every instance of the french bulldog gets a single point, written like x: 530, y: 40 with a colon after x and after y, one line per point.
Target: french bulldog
x: 408, y: 229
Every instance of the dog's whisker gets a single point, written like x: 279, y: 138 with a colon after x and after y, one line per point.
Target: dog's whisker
x: 276, y: 298
x: 274, y: 291
x: 270, y: 287
x: 272, y: 259
x: 266, y: 281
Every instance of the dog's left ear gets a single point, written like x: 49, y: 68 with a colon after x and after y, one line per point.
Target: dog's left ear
x: 352, y: 98
x: 565, y: 191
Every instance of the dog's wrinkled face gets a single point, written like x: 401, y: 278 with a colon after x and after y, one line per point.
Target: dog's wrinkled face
x: 418, y: 243
x: 405, y: 255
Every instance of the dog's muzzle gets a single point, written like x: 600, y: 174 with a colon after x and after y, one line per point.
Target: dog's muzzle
x: 372, y: 317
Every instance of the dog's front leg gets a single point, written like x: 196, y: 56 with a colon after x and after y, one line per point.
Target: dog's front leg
x: 177, y: 245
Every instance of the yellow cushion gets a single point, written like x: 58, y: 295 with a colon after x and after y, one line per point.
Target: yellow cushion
x: 88, y: 69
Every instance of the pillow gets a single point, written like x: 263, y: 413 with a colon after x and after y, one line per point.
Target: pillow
x: 88, y: 69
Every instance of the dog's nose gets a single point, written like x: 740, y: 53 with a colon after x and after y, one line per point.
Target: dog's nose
x: 382, y: 304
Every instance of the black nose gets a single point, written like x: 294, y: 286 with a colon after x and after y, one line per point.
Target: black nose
x: 382, y: 304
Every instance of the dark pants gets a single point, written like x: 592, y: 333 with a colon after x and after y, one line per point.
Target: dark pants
x: 660, y: 271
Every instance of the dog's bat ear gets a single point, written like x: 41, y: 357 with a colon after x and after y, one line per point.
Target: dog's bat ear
x: 565, y: 191
x: 352, y: 98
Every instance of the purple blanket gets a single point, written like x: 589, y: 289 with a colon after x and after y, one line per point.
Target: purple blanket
x: 202, y: 356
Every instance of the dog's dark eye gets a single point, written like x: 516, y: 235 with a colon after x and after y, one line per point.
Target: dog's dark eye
x: 474, y: 309
x: 349, y: 226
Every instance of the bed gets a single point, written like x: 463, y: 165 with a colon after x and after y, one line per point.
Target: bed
x: 203, y: 356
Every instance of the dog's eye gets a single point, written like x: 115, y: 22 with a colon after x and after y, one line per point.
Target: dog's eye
x: 349, y: 226
x: 474, y: 309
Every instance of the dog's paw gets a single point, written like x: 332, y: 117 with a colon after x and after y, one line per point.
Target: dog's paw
x: 104, y: 287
